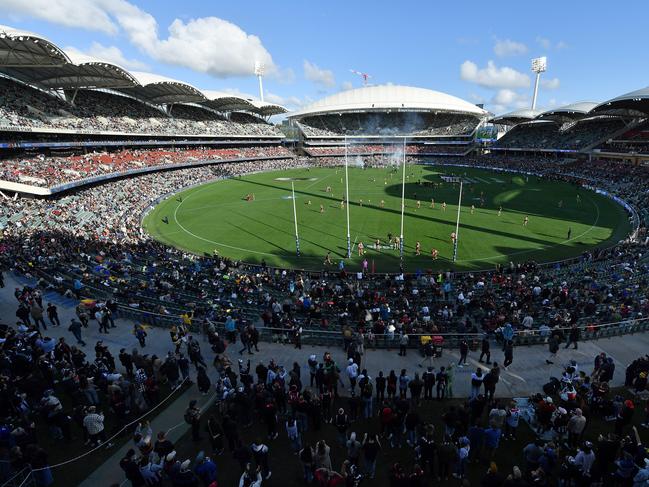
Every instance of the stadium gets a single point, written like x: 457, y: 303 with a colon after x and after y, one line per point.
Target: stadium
x: 378, y: 218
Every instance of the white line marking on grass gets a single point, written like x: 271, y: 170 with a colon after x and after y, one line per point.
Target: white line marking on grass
x: 206, y: 239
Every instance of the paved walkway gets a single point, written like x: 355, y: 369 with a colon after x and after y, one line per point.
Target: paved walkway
x: 525, y: 376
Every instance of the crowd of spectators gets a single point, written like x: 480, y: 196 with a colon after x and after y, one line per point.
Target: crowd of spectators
x: 635, y: 140
x: 102, y: 111
x: 48, y: 171
x: 374, y: 414
x: 554, y: 136
x: 91, y: 240
x: 602, y: 286
x: 389, y: 124
x: 387, y: 149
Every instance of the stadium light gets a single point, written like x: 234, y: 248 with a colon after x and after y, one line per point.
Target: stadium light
x: 539, y: 65
x: 259, y: 72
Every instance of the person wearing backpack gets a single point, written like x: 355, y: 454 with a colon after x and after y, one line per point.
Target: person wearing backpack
x: 193, y: 418
x: 342, y: 423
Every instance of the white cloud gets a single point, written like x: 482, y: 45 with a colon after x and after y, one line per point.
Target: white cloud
x: 548, y: 44
x: 111, y: 54
x: 346, y: 86
x: 289, y: 102
x: 544, y: 42
x: 86, y: 14
x: 492, y: 76
x: 550, y: 84
x: 507, y: 100
x: 324, y: 77
x: 507, y: 47
x: 208, y: 44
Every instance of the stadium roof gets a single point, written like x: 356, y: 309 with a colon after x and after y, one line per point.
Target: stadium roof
x: 22, y: 48
x: 33, y: 59
x: 81, y: 72
x: 517, y: 116
x: 160, y: 90
x: 389, y: 97
x: 567, y: 113
x: 635, y: 103
x: 228, y: 102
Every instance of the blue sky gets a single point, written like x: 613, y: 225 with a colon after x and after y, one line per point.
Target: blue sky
x: 479, y: 51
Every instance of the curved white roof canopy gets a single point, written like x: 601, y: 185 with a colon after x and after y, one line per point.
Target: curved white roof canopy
x: 634, y: 104
x: 517, y: 116
x: 82, y: 72
x: 160, y: 90
x: 389, y: 97
x: 22, y: 48
x: 32, y: 59
x: 228, y: 102
x: 568, y: 113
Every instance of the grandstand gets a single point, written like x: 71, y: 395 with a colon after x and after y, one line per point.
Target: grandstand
x: 434, y: 123
x: 46, y: 91
x: 616, y: 128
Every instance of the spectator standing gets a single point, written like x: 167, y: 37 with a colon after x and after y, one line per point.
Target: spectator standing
x: 101, y: 318
x: 352, y: 373
x: 573, y: 336
x: 553, y: 347
x: 371, y: 447
x: 140, y: 334
x: 476, y: 382
x: 53, y: 315
x: 485, y: 350
x: 93, y: 422
x: 576, y: 426
x: 429, y: 382
x: 509, y: 354
x: 404, y: 380
x: 131, y: 469
x: 75, y: 328
x: 193, y: 418
x: 403, y: 344
x: 36, y: 312
x: 307, y: 458
x: 380, y: 387
x: 464, y: 351
x: 511, y: 421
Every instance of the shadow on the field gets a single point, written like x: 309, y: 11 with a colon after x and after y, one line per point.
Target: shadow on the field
x: 411, y: 214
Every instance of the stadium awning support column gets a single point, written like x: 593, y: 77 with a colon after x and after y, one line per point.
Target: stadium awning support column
x: 349, y: 238
x: 403, y: 198
x: 297, y: 236
x: 457, y: 224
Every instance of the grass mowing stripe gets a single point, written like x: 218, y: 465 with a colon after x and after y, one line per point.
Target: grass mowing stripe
x: 215, y: 217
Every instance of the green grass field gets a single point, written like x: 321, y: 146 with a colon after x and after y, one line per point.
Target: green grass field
x: 216, y: 216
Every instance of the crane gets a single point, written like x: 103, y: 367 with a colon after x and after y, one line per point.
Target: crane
x: 365, y: 76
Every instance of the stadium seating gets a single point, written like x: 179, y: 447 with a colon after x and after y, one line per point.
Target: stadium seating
x: 542, y: 135
x: 388, y: 124
x: 51, y: 171
x: 22, y: 106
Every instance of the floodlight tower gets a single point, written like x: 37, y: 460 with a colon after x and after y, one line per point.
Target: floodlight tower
x: 259, y: 72
x: 539, y: 65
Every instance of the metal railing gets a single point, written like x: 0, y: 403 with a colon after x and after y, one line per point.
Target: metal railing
x: 322, y: 337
